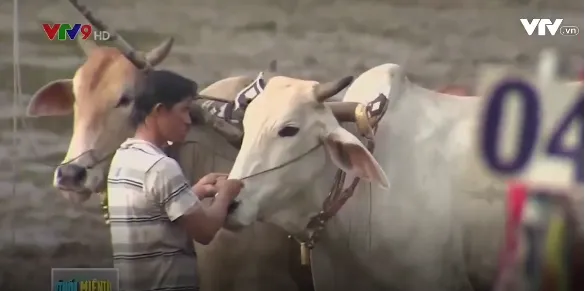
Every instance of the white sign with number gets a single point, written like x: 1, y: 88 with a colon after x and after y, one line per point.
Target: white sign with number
x: 531, y: 129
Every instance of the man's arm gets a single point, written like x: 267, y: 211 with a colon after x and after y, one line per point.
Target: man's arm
x: 203, y: 222
x: 170, y: 189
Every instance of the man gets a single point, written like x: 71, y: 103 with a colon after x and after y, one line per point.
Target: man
x: 154, y: 213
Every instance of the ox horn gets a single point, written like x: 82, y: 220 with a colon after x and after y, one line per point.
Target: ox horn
x: 139, y: 60
x: 156, y: 55
x: 343, y: 111
x: 326, y: 90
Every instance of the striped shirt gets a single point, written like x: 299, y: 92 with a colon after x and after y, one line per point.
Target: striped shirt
x: 147, y: 191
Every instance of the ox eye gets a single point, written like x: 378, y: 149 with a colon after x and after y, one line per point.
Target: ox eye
x: 124, y: 101
x: 288, y: 131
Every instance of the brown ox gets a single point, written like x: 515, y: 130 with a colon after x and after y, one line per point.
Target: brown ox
x: 108, y: 78
x: 256, y: 259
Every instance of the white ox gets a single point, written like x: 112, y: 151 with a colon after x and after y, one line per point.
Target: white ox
x: 438, y: 227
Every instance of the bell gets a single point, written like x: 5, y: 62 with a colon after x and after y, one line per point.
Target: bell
x: 363, y: 122
x: 305, y: 255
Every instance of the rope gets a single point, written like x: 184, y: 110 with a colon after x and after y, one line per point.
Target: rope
x: 15, y: 105
x: 17, y: 119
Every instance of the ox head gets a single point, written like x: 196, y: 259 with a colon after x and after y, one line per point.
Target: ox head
x: 100, y: 97
x: 288, y: 133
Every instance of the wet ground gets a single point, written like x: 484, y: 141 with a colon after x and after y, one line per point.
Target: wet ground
x: 439, y: 42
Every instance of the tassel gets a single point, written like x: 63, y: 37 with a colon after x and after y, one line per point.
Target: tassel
x: 538, y: 249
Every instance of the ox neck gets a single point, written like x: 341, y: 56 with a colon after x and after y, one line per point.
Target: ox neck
x: 305, y: 204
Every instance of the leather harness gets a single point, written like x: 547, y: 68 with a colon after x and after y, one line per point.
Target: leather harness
x: 367, y: 119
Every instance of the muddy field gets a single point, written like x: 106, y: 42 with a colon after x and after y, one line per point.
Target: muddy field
x: 439, y: 42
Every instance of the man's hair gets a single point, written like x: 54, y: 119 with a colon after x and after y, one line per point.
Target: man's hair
x: 160, y: 86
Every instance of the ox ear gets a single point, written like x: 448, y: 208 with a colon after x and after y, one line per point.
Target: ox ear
x: 54, y: 99
x: 350, y: 155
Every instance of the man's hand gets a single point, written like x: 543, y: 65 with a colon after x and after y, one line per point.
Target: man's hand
x: 230, y: 188
x: 208, y: 185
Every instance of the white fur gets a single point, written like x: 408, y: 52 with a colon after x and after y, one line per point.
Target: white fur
x: 441, y: 206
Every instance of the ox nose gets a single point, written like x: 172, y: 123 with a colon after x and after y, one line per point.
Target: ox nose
x: 233, y: 206
x: 70, y: 175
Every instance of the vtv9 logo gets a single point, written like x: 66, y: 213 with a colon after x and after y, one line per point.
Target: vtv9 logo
x: 66, y: 31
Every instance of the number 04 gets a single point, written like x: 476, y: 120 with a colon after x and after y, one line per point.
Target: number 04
x: 528, y: 137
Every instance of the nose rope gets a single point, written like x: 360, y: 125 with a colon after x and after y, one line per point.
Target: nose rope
x: 95, y: 161
x: 284, y: 164
x: 108, y: 156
